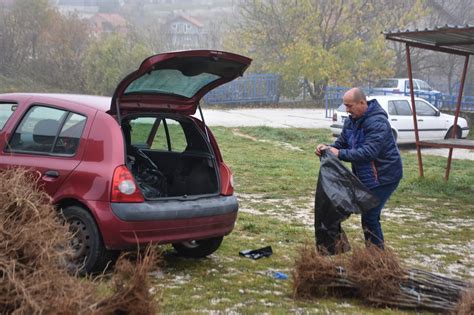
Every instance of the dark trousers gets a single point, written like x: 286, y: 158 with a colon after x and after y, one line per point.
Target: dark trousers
x: 371, y: 218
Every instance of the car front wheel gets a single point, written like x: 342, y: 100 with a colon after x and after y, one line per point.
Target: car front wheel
x: 88, y: 251
x: 198, y: 248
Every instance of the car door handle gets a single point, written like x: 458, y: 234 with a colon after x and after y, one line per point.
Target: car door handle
x: 420, y: 119
x: 393, y: 119
x: 51, y: 173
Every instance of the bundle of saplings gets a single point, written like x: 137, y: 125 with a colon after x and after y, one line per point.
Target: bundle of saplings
x: 377, y: 277
x: 33, y: 274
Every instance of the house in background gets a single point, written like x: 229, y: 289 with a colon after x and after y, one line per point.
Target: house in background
x: 106, y: 23
x: 185, y: 33
x: 83, y: 8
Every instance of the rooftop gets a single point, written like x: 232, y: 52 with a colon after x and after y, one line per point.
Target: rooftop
x: 454, y: 39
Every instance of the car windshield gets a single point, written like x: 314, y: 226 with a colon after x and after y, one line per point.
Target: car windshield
x: 171, y: 82
x: 386, y: 84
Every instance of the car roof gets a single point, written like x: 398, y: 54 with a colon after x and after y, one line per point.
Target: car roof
x: 101, y: 103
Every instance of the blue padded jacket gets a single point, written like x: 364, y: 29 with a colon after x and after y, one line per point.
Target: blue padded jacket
x: 368, y: 143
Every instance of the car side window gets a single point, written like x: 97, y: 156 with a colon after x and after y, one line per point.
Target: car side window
x: 391, y: 108
x: 39, y: 131
x: 141, y: 128
x: 424, y: 86
x: 70, y: 135
x: 402, y: 107
x: 6, y: 110
x: 171, y: 130
x: 424, y: 109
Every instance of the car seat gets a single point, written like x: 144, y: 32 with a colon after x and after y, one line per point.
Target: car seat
x: 44, y: 133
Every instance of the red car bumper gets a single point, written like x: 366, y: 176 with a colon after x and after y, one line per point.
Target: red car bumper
x: 126, y: 225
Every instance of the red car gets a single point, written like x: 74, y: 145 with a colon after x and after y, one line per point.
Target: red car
x: 135, y: 168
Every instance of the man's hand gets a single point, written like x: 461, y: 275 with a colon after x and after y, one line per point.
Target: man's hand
x: 322, y: 147
x: 319, y: 148
x: 334, y: 151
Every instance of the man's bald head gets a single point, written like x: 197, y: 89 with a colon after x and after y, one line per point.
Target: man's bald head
x: 356, y: 102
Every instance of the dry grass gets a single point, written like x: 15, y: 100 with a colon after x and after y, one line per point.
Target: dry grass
x: 466, y: 303
x: 314, y: 273
x: 377, y: 277
x: 33, y: 275
x: 131, y: 286
x: 377, y: 272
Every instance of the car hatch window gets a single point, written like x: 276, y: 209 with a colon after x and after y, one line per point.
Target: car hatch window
x: 6, y: 110
x: 402, y: 107
x: 37, y: 130
x: 171, y: 82
x: 424, y: 109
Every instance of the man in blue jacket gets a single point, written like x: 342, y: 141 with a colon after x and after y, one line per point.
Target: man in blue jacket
x: 367, y: 142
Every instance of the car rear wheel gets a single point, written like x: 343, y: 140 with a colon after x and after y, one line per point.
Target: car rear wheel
x: 89, y: 254
x: 450, y: 133
x: 198, y: 248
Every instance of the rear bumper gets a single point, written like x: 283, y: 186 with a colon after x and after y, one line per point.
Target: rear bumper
x: 175, y: 209
x: 124, y: 226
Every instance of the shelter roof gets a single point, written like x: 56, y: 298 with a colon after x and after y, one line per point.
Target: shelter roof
x: 455, y: 39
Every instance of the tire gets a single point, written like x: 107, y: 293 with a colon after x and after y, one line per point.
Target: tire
x: 198, y: 249
x: 450, y: 131
x: 89, y: 253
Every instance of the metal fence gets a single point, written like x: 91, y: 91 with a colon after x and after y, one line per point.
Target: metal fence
x: 333, y: 99
x: 250, y: 89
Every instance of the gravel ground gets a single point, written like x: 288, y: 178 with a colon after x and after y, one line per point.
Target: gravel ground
x: 297, y: 118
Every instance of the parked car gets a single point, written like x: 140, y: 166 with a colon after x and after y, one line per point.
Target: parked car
x: 135, y: 168
x: 432, y: 124
x: 402, y: 86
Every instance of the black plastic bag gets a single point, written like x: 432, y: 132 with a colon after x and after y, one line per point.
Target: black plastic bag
x: 339, y: 193
x: 257, y: 253
x: 149, y: 178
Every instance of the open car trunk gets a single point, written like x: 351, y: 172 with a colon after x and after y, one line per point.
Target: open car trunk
x: 169, y: 156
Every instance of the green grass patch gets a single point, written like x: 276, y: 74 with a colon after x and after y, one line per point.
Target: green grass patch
x: 428, y: 222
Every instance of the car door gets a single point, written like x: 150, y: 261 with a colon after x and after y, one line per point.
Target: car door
x: 45, y: 140
x: 401, y: 120
x: 430, y: 125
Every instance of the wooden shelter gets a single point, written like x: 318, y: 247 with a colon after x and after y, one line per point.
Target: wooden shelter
x: 457, y: 40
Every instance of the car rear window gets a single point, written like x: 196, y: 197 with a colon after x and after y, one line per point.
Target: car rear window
x: 171, y: 82
x: 387, y: 84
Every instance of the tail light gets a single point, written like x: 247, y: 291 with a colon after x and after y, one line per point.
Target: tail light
x: 334, y: 117
x: 124, y: 187
x: 227, y: 180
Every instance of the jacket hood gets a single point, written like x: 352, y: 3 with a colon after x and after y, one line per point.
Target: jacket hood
x: 374, y: 109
